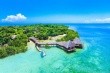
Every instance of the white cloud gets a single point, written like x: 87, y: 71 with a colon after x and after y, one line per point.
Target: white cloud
x: 14, y: 18
x: 98, y: 20
x: 73, y: 19
x: 105, y: 20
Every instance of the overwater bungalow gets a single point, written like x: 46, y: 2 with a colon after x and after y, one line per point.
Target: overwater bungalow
x: 67, y: 46
x: 78, y: 43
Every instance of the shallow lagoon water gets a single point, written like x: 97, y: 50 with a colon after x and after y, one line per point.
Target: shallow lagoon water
x: 94, y: 58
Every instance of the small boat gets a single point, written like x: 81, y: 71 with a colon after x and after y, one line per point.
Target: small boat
x: 43, y: 54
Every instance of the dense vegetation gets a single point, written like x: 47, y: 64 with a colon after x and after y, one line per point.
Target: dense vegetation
x: 13, y: 39
x: 47, y: 46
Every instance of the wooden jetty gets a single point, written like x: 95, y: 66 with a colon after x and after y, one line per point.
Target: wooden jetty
x: 67, y: 46
x: 33, y: 39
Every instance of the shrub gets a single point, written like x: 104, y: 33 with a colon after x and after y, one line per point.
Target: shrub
x: 3, y: 52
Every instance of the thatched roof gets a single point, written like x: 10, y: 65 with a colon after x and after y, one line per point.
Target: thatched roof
x: 77, y: 41
x: 70, y: 44
x: 67, y: 45
x: 33, y: 39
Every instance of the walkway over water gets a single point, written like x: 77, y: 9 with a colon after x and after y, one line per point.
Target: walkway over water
x: 67, y: 46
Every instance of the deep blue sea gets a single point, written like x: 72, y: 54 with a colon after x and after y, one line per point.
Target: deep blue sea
x: 93, y: 58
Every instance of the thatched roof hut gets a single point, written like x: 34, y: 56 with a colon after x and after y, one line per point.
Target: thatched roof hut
x: 33, y: 39
x: 68, y: 46
x: 78, y: 43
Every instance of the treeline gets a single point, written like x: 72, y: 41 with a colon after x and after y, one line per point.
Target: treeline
x: 70, y: 35
x: 42, y: 32
x: 10, y: 45
x: 11, y: 50
x: 13, y: 39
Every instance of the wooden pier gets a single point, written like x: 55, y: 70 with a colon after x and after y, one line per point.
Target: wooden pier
x: 67, y: 46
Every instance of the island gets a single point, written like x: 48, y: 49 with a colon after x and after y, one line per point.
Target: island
x: 13, y: 39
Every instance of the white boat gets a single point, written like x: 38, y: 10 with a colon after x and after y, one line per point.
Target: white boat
x: 43, y: 54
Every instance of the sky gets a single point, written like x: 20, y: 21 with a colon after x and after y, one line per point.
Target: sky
x: 55, y: 11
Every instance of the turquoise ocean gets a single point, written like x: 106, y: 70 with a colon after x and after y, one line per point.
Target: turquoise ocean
x: 93, y: 58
